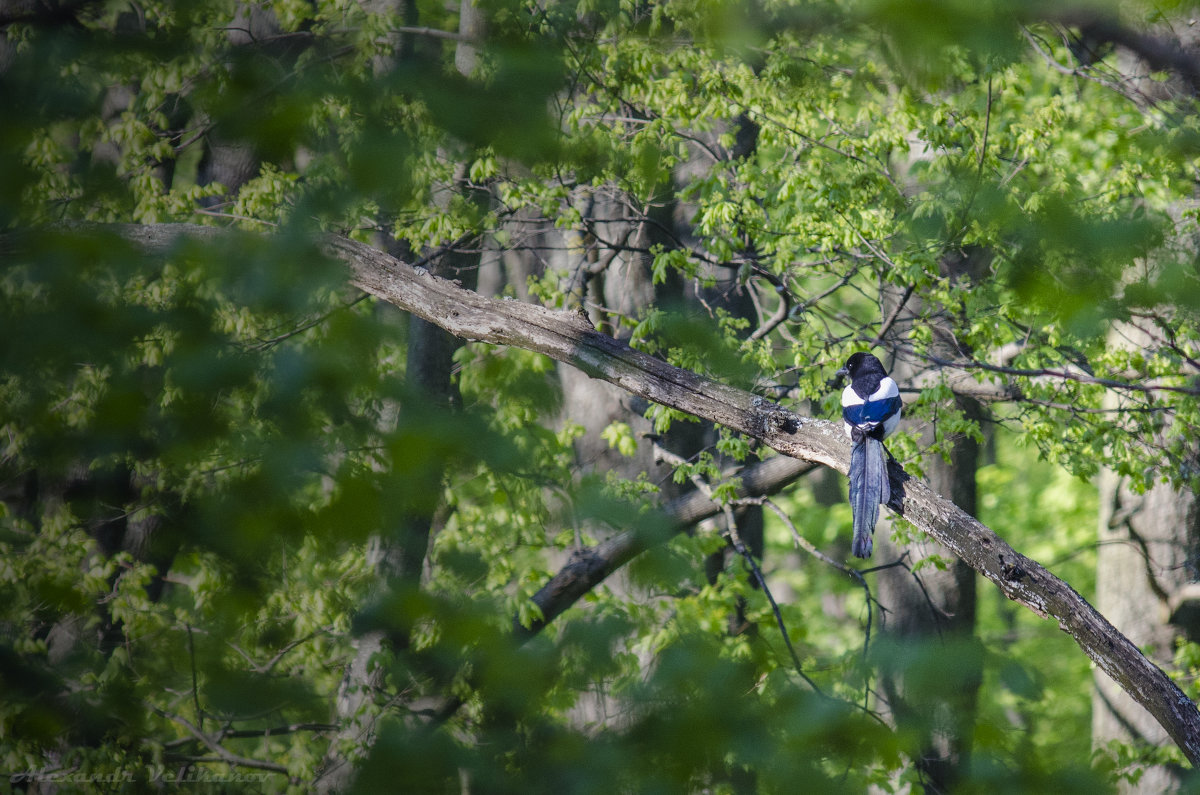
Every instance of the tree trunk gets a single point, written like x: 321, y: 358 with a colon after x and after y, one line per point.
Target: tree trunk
x: 931, y: 615
x: 398, y: 558
x: 1146, y: 585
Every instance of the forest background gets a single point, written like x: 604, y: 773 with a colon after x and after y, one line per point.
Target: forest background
x: 390, y: 391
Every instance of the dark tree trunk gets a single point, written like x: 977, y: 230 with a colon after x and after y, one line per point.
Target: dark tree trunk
x: 931, y: 613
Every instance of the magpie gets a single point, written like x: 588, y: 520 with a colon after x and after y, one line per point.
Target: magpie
x: 871, y: 410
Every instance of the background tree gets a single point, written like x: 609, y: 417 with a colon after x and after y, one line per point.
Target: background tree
x: 255, y: 525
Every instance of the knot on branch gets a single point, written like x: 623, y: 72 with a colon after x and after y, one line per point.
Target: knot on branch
x: 1013, y: 572
x: 773, y: 418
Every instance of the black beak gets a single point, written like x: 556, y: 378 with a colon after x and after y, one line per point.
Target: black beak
x: 842, y: 372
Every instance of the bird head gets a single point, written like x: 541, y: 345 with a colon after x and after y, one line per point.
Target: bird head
x: 861, y: 363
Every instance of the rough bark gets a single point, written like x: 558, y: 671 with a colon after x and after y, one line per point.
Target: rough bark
x: 570, y: 338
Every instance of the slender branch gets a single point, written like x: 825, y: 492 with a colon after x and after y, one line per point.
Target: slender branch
x: 290, y: 728
x: 736, y: 541
x: 234, y: 217
x: 225, y: 755
x: 1069, y: 375
x: 432, y: 32
x: 195, y: 688
x: 892, y: 317
x: 265, y: 668
x: 780, y: 315
x: 273, y: 731
x: 1158, y: 53
x: 263, y: 345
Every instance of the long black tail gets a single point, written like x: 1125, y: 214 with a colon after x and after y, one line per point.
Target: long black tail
x: 869, y: 488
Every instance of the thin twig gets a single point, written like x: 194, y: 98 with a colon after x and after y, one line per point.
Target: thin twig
x: 195, y: 687
x: 1069, y: 375
x: 781, y: 312
x: 736, y: 541
x: 808, y: 546
x: 233, y: 216
x: 900, y: 562
x: 265, y: 344
x: 273, y: 731
x: 891, y: 318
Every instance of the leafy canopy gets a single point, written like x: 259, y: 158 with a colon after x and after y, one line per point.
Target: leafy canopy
x: 203, y: 452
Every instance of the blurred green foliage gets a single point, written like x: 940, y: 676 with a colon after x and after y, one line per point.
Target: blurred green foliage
x: 204, y: 449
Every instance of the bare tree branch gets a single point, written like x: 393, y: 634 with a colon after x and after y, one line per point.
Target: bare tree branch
x: 587, y: 568
x: 569, y: 337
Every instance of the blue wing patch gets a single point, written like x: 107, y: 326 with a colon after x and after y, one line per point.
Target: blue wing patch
x: 872, y: 412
